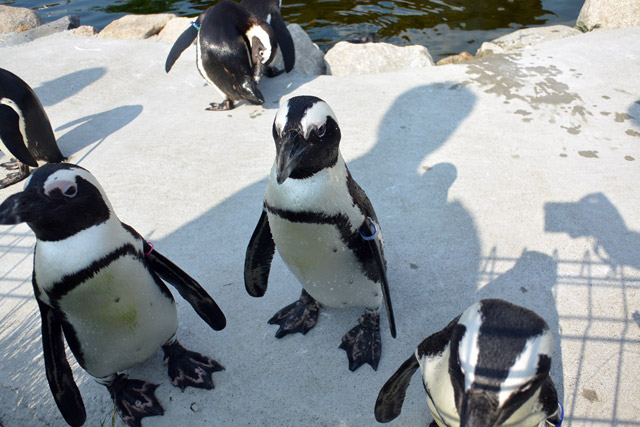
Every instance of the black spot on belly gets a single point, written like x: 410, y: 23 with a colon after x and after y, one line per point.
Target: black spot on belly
x: 335, y: 250
x: 117, y: 299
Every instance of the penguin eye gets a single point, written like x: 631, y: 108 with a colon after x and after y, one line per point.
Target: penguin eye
x: 70, y: 192
x: 321, y: 130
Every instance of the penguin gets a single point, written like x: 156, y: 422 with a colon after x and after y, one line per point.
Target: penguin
x: 325, y: 230
x: 234, y: 49
x: 269, y: 12
x: 98, y: 282
x: 487, y: 367
x: 25, y: 130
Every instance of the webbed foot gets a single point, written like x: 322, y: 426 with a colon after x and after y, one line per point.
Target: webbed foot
x: 12, y: 178
x: 188, y: 368
x: 134, y: 399
x: 225, y: 105
x: 362, y: 343
x: 300, y: 316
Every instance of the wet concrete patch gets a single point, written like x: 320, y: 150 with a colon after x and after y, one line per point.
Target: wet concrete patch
x: 629, y: 158
x: 590, y: 395
x: 589, y: 154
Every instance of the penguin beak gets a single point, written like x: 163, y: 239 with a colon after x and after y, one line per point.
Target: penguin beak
x: 477, y: 410
x: 289, y: 153
x: 15, y: 209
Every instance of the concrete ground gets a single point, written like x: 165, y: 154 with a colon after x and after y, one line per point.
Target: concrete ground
x: 511, y: 176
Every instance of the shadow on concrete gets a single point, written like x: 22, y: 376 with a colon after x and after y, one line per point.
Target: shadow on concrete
x: 61, y: 88
x: 277, y: 88
x: 615, y: 248
x: 94, y: 129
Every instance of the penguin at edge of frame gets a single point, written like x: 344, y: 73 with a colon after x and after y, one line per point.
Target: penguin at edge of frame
x: 98, y: 282
x: 487, y: 367
x: 25, y: 130
x: 234, y: 48
x: 325, y: 230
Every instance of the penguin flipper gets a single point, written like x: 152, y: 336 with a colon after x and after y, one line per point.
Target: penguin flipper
x: 183, y: 42
x: 285, y: 42
x: 257, y: 262
x: 391, y: 396
x: 12, y: 138
x: 369, y: 232
x: 190, y: 290
x: 59, y: 375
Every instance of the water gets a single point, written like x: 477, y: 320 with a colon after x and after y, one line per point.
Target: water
x: 444, y: 26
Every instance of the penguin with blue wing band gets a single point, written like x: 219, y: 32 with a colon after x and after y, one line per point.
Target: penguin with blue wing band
x: 488, y: 367
x: 98, y: 283
x: 324, y: 228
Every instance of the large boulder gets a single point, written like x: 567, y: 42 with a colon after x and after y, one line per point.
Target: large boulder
x: 309, y: 57
x: 136, y: 27
x: 18, y: 19
x: 174, y: 28
x: 68, y: 22
x: 610, y: 14
x: 526, y: 37
x: 346, y: 59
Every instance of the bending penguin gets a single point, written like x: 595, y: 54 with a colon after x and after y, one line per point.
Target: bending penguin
x: 235, y: 47
x: 325, y: 230
x: 487, y: 367
x: 25, y: 130
x: 99, y: 282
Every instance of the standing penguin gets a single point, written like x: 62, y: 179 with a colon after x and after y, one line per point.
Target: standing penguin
x: 25, y: 130
x: 234, y: 48
x: 98, y: 281
x: 325, y: 229
x: 487, y: 367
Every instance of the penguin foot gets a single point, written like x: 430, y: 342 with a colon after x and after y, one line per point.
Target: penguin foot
x: 188, y: 368
x: 12, y: 178
x: 362, y: 343
x: 300, y: 316
x: 273, y: 72
x: 134, y: 399
x: 227, y: 104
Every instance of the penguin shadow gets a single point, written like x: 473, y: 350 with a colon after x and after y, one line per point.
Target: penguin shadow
x: 595, y: 216
x: 94, y: 129
x: 634, y: 113
x: 530, y: 283
x: 61, y: 88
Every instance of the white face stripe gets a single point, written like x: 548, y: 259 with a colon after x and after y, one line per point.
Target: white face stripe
x: 468, y: 350
x: 316, y: 116
x: 261, y: 34
x: 281, y: 116
x: 71, y: 174
x: 526, y: 365
x: 21, y: 123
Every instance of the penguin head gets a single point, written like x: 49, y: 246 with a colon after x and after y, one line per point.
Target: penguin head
x: 307, y: 138
x: 58, y: 201
x: 500, y: 356
x: 263, y: 44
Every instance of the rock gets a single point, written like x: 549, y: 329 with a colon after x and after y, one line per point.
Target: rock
x: 346, y: 59
x: 136, y: 27
x: 532, y: 36
x: 488, y: 48
x: 18, y: 19
x: 455, y: 59
x: 173, y: 29
x: 309, y: 57
x: 610, y: 14
x: 85, y: 31
x: 68, y: 22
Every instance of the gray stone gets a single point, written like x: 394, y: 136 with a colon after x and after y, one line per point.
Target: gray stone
x: 68, y: 22
x: 610, y: 14
x: 532, y: 36
x: 309, y: 57
x: 18, y: 19
x: 488, y: 48
x: 173, y: 29
x: 136, y: 27
x: 345, y: 59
